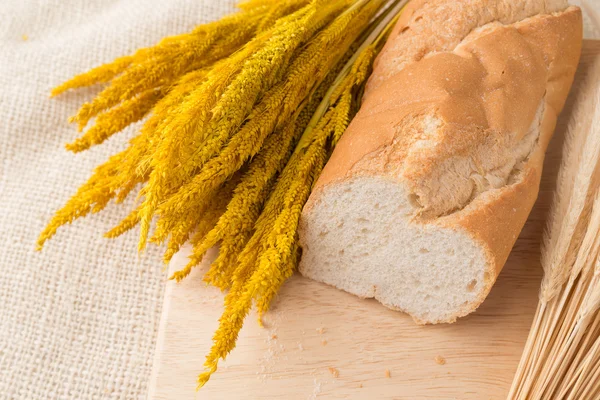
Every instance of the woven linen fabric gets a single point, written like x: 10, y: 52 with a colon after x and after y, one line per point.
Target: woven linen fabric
x: 78, y: 320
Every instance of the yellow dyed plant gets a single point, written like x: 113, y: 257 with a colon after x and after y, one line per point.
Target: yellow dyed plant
x: 242, y: 115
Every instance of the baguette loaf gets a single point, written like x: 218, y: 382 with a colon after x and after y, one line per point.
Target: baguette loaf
x: 428, y: 189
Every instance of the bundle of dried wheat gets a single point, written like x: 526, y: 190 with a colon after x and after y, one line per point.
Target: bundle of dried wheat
x: 243, y: 115
x: 561, y: 359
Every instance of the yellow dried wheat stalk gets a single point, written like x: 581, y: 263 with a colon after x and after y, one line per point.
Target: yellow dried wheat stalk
x: 242, y: 115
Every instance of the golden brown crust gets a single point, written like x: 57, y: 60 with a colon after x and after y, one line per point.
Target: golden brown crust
x: 452, y: 86
x: 484, y: 87
x: 497, y: 219
x: 428, y: 26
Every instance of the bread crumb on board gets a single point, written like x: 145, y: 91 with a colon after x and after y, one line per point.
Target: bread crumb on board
x: 324, y: 342
x: 316, y: 390
x: 440, y: 360
x: 334, y: 372
x: 360, y: 385
x: 387, y: 373
x: 320, y: 331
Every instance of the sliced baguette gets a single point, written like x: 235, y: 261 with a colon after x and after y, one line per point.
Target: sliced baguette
x: 426, y: 193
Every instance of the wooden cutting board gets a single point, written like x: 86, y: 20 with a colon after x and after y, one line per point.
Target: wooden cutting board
x: 378, y: 353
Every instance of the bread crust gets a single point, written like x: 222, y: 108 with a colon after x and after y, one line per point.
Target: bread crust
x: 482, y: 81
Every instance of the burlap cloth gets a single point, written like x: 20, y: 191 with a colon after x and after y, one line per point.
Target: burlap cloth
x: 78, y: 320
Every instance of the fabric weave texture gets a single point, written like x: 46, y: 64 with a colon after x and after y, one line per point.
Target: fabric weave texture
x: 78, y: 320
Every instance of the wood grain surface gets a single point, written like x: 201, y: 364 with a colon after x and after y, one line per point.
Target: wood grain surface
x: 323, y: 343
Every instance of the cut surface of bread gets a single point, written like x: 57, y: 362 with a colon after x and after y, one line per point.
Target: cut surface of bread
x: 374, y: 250
x: 428, y: 189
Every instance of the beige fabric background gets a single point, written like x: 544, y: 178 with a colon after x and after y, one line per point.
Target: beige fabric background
x: 79, y: 320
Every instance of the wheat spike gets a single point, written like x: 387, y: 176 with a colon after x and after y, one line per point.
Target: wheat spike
x: 243, y: 114
x: 578, y: 180
x: 561, y: 350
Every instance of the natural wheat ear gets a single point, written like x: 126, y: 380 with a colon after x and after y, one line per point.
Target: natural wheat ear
x: 242, y: 114
x: 562, y: 354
